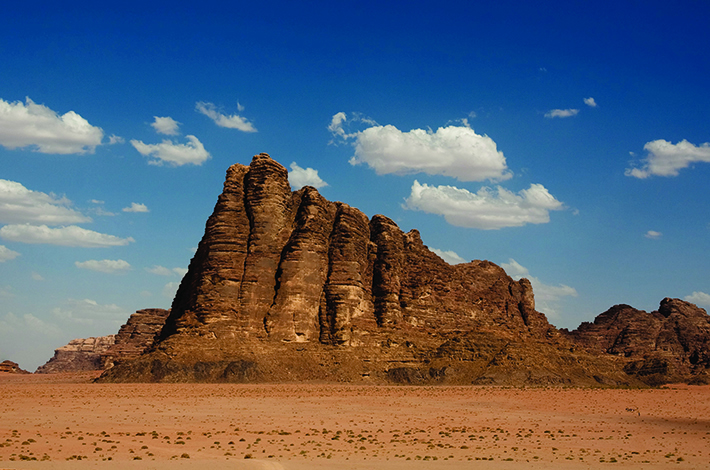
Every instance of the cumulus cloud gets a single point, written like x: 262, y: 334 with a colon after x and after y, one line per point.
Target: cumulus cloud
x: 487, y: 209
x: 191, y: 153
x: 300, y: 177
x: 163, y: 271
x: 166, y: 125
x: 455, y: 151
x: 63, y: 236
x: 115, y: 139
x: 653, y: 235
x: 699, y: 298
x: 109, y: 266
x: 36, y: 276
x: 546, y: 296
x: 136, y: 207
x: 35, y: 125
x: 21, y: 205
x: 231, y: 122
x: 665, y: 158
x: 7, y: 254
x: 561, y: 113
x: 590, y: 102
x: 449, y: 256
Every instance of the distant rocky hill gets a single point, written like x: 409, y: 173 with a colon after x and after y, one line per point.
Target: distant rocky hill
x: 11, y: 368
x: 79, y: 355
x: 135, y: 336
x: 669, y: 345
x: 288, y: 286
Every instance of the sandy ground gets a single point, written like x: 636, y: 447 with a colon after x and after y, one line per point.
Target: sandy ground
x: 66, y: 422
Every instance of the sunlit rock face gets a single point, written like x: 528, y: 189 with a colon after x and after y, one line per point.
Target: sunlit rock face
x: 671, y: 344
x: 82, y: 354
x: 288, y: 286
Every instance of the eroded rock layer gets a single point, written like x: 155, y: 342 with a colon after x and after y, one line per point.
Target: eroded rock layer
x: 10, y: 367
x: 135, y: 336
x: 671, y: 344
x: 288, y: 286
x: 79, y: 355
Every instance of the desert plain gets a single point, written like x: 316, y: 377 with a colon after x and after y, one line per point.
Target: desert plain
x: 64, y: 421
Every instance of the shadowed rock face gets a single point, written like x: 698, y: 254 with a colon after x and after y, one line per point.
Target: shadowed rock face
x: 671, y: 344
x: 289, y: 286
x: 79, y: 355
x: 11, y: 368
x: 135, y: 336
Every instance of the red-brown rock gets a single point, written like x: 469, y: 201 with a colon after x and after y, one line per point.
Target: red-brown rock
x: 288, y: 286
x: 10, y: 367
x: 79, y: 355
x: 135, y: 336
x: 671, y: 344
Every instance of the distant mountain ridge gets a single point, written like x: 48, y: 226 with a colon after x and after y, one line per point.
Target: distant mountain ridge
x: 286, y: 286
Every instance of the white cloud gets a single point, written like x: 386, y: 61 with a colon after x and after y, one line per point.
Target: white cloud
x: 653, y: 235
x: 699, y: 298
x: 336, y: 126
x: 180, y: 271
x: 109, y: 266
x: 590, y: 102
x: 300, y: 177
x: 136, y: 207
x: 487, y: 209
x: 7, y: 254
x: 547, y: 296
x: 449, y: 256
x: 6, y: 292
x: 163, y: 271
x: 35, y: 125
x: 36, y: 276
x: 561, y: 113
x: 20, y: 205
x: 166, y: 125
x: 170, y: 289
x: 232, y: 122
x: 63, y: 236
x: 90, y: 312
x: 115, y: 139
x: 455, y: 151
x: 160, y: 271
x: 665, y: 158
x: 191, y: 153
x: 12, y: 323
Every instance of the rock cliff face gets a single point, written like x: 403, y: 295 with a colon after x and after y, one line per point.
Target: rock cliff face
x: 79, y: 355
x: 11, y: 368
x: 669, y: 345
x: 289, y: 286
x: 135, y: 336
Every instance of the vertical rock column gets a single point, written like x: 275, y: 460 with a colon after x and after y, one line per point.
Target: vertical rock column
x: 269, y: 205
x: 344, y: 292
x: 387, y: 271
x: 303, y: 271
x: 209, y: 291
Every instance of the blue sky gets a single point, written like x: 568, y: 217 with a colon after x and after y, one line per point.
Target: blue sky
x: 565, y: 141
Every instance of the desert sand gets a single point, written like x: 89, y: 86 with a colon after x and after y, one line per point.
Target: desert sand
x: 64, y: 421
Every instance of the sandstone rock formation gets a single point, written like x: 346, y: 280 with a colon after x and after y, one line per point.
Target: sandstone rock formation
x: 669, y: 345
x: 10, y: 367
x: 288, y: 286
x: 79, y: 355
x: 135, y: 336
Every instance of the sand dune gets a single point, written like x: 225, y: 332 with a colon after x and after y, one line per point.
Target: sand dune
x: 66, y: 422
